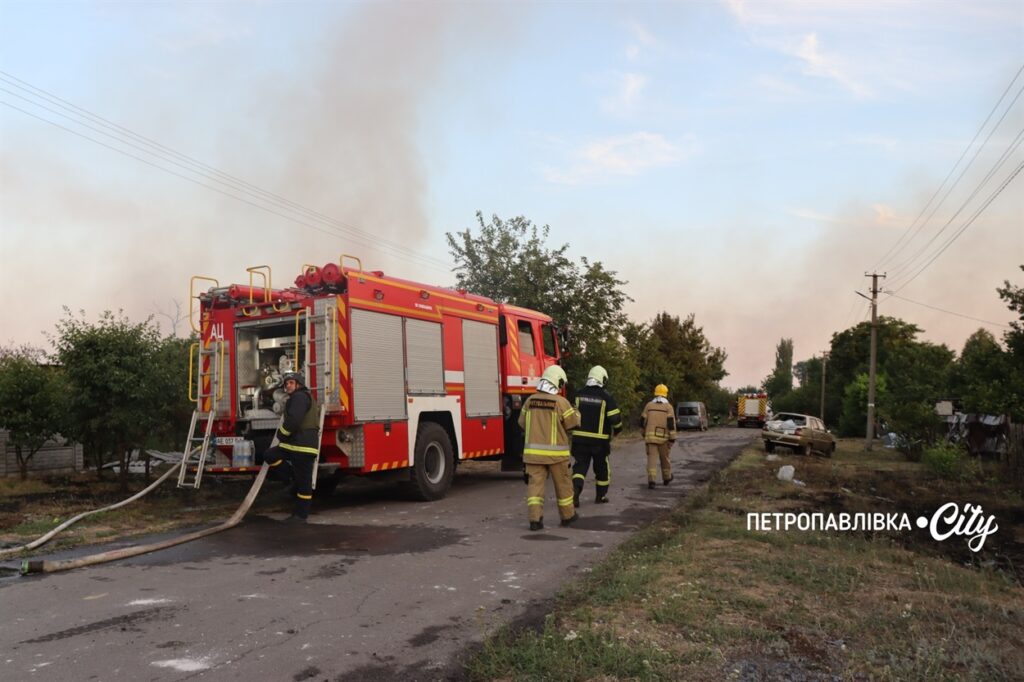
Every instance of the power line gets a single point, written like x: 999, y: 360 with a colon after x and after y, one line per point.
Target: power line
x: 903, y: 267
x: 893, y: 294
x: 166, y: 154
x: 966, y: 225
x: 951, y: 170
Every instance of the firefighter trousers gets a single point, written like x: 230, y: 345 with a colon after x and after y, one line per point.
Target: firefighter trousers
x: 538, y: 473
x: 297, y: 467
x: 584, y: 454
x: 657, y: 453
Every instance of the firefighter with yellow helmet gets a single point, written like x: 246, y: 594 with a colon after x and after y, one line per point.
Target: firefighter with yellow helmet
x: 546, y: 419
x: 592, y: 441
x: 659, y: 424
x: 299, y: 435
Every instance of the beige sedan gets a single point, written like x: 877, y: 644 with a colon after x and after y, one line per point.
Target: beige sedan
x: 800, y: 432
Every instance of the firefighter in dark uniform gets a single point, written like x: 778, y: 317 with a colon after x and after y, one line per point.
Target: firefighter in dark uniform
x: 293, y: 458
x: 546, y: 420
x: 659, y: 425
x: 592, y: 441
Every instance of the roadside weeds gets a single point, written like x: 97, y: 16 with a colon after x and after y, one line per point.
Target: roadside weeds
x: 697, y: 595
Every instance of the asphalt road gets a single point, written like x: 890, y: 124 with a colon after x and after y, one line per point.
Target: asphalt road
x: 375, y: 588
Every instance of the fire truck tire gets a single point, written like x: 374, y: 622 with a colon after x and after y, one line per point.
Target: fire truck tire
x: 434, y: 463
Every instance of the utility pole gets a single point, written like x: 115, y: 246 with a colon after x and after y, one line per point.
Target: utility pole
x: 821, y: 412
x: 874, y: 355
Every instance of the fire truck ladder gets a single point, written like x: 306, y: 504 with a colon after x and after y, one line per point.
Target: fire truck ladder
x: 210, y: 362
x: 319, y: 435
x: 325, y: 328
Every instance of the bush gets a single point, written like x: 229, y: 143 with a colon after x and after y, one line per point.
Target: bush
x: 944, y: 460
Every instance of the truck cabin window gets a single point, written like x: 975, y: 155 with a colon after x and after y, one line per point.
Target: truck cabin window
x: 526, y: 346
x: 547, y: 335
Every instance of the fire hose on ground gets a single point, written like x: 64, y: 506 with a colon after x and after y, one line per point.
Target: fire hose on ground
x: 45, y: 566
x: 43, y: 539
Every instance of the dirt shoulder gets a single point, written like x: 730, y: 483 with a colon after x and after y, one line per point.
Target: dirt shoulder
x: 698, y: 595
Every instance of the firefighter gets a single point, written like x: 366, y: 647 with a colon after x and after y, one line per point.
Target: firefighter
x: 659, y: 425
x: 293, y: 458
x: 592, y: 441
x: 546, y: 420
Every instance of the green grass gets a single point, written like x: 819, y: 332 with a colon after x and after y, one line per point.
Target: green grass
x: 696, y: 594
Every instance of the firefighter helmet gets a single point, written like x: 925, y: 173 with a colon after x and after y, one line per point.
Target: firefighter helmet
x: 293, y: 376
x: 661, y: 390
x: 555, y: 375
x: 598, y: 374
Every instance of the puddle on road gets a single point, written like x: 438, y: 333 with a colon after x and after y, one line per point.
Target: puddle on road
x: 263, y: 537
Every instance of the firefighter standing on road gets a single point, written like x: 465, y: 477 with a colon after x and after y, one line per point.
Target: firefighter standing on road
x: 298, y: 446
x: 659, y: 425
x: 599, y: 421
x: 546, y: 420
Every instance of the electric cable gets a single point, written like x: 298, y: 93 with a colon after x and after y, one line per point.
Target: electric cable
x: 950, y: 312
x: 951, y: 170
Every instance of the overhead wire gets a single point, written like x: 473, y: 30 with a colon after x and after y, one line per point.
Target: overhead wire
x: 170, y: 156
x: 966, y: 225
x: 906, y: 266
x: 949, y: 312
x: 995, y: 107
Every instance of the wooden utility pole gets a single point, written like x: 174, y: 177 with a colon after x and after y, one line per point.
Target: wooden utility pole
x: 874, y: 355
x: 821, y: 412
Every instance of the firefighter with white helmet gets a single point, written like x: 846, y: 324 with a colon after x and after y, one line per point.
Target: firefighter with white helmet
x: 600, y: 419
x: 659, y: 424
x: 293, y: 458
x: 546, y: 419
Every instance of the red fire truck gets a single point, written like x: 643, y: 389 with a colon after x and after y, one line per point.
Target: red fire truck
x: 411, y: 378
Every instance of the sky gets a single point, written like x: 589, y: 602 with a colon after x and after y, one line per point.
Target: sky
x: 745, y: 162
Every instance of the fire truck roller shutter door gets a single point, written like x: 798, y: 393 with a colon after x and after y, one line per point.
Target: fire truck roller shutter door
x: 378, y: 367
x: 480, y: 356
x: 423, y: 353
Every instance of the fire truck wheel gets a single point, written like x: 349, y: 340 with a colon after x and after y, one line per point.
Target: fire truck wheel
x: 434, y: 464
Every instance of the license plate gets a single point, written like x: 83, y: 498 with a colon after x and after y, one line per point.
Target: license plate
x: 228, y: 440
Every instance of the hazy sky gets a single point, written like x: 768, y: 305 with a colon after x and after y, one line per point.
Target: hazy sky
x: 752, y: 159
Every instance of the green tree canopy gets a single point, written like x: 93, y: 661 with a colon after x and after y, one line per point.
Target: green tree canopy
x: 122, y: 381
x: 31, y: 402
x: 780, y: 381
x: 510, y: 261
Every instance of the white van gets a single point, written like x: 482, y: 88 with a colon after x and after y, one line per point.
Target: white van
x: 691, y: 415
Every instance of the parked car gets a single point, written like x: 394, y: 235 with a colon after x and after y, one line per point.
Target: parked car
x: 691, y: 415
x: 800, y: 432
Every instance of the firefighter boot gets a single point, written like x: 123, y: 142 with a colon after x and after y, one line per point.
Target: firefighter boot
x: 537, y: 525
x: 651, y: 485
x: 577, y: 488
x: 572, y: 519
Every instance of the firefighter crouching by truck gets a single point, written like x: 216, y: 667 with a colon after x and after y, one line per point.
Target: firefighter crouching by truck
x: 293, y: 459
x: 659, y: 424
x: 546, y: 420
x: 592, y: 441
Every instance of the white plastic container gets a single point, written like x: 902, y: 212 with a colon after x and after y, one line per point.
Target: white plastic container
x: 242, y: 454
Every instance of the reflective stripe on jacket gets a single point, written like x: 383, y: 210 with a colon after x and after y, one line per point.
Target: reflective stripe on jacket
x: 659, y: 422
x: 600, y: 418
x: 546, y: 420
x: 298, y: 431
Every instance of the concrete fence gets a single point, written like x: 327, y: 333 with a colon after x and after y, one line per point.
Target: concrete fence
x: 57, y: 456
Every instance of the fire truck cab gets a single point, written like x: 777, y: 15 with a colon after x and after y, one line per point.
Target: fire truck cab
x: 411, y: 378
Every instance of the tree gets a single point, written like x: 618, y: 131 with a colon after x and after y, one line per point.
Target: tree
x: 509, y: 261
x: 855, y: 402
x: 30, y: 402
x: 978, y: 379
x: 1014, y: 297
x: 780, y: 381
x: 694, y: 363
x: 917, y: 375
x: 849, y: 356
x: 120, y: 379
